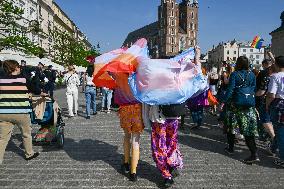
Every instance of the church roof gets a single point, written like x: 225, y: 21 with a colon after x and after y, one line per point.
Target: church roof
x: 146, y: 31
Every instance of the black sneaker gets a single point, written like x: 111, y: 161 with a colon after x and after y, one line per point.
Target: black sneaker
x: 251, y: 160
x: 95, y: 113
x: 33, y: 156
x: 133, y: 177
x: 174, y: 172
x: 88, y: 117
x: 168, y: 182
x: 228, y: 151
x: 125, y: 168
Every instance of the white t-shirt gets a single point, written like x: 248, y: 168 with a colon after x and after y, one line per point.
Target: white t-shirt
x: 89, y: 81
x: 276, y: 85
x: 72, y: 80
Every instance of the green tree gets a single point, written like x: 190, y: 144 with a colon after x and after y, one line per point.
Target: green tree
x: 12, y: 35
x: 68, y: 50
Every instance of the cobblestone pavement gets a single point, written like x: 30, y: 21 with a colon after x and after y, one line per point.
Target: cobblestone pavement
x: 92, y: 156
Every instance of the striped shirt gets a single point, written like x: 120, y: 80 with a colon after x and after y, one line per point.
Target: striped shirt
x: 14, y: 96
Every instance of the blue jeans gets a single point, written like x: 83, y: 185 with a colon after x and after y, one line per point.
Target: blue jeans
x: 107, y: 96
x: 90, y: 93
x: 276, y: 112
x: 197, y: 114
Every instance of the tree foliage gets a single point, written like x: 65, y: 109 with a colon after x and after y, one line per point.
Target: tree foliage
x: 13, y: 35
x: 68, y: 50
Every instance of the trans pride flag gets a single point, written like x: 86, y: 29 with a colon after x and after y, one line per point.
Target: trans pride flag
x: 103, y: 79
x: 136, y: 77
x: 118, y: 62
x: 257, y: 42
x: 167, y: 81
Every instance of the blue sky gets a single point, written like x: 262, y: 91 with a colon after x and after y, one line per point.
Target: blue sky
x: 109, y: 21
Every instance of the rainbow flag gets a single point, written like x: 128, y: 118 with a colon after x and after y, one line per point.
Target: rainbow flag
x: 257, y: 42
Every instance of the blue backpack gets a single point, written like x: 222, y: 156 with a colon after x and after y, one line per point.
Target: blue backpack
x: 244, y: 94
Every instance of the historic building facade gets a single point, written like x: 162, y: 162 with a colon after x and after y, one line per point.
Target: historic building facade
x: 277, y: 45
x: 230, y: 51
x: 49, y: 16
x: 175, y: 30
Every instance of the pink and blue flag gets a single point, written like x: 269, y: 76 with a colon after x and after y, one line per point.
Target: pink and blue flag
x: 167, y: 81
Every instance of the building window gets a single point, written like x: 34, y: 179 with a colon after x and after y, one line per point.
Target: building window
x: 172, y: 40
x: 257, y: 61
x: 172, y: 14
x: 192, y: 15
x: 244, y: 50
x: 228, y: 59
x: 32, y: 11
x: 173, y: 49
x: 22, y: 4
x: 172, y: 31
x: 235, y: 52
x: 228, y: 52
x: 191, y: 26
x: 39, y: 11
x: 173, y: 22
x: 251, y: 56
x: 257, y: 56
x: 251, y: 50
x: 234, y: 58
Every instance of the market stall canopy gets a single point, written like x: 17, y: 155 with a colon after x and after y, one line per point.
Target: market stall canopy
x: 80, y: 68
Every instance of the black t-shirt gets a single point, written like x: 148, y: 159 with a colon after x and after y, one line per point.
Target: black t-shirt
x: 262, y: 80
x: 50, y: 74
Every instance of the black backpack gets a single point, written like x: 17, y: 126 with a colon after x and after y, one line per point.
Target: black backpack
x: 173, y: 110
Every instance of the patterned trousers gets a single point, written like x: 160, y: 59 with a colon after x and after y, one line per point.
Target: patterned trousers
x: 165, y: 150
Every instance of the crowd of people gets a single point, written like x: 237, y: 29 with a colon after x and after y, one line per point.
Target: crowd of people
x: 251, y: 104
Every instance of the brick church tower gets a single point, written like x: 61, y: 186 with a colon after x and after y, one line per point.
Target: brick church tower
x: 175, y: 30
x: 189, y: 21
x: 168, y: 19
x: 178, y: 26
